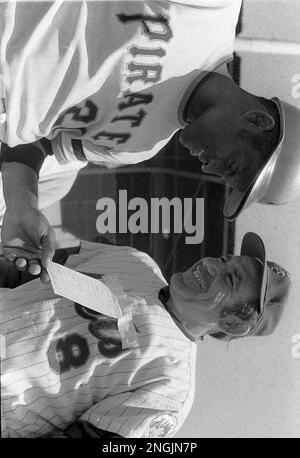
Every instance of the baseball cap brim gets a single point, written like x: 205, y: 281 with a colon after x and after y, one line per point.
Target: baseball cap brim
x: 253, y: 246
x: 237, y: 200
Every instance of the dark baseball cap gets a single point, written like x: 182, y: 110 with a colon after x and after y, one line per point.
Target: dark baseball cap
x: 278, y: 182
x: 274, y: 286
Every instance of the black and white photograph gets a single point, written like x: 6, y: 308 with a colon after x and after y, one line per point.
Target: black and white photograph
x: 149, y: 222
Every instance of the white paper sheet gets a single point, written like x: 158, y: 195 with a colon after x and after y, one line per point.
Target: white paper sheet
x: 87, y: 291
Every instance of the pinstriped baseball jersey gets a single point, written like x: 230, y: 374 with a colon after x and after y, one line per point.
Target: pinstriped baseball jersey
x: 64, y: 362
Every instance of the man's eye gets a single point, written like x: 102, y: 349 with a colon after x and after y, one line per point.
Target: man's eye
x: 226, y: 258
x: 231, y: 280
x: 231, y: 167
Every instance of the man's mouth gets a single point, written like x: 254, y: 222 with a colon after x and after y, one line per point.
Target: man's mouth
x: 206, y: 160
x: 197, y: 277
x: 202, y: 153
x: 200, y: 274
x: 208, y: 165
x: 204, y: 157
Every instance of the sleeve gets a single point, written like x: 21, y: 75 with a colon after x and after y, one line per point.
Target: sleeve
x: 91, y: 250
x: 81, y: 430
x: 10, y: 277
x: 204, y: 3
x: 30, y: 154
x: 84, y: 430
x: 141, y: 413
x: 4, y: 431
x: 67, y: 149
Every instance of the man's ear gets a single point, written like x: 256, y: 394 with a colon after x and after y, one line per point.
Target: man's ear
x: 260, y: 119
x: 235, y: 326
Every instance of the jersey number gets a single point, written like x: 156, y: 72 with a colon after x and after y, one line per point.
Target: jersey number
x: 71, y: 352
x: 85, y: 114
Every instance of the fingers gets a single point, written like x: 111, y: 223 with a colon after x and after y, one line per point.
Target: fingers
x: 22, y: 264
x: 28, y: 241
x: 34, y: 267
x: 11, y: 257
x: 12, y: 252
x: 45, y: 279
x: 48, y: 247
x: 23, y: 260
x: 34, y: 258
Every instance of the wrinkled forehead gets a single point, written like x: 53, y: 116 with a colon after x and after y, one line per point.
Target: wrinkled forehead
x: 249, y: 266
x: 245, y: 295
x: 250, y: 271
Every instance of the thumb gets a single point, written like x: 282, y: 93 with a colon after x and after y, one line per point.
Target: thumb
x: 48, y: 247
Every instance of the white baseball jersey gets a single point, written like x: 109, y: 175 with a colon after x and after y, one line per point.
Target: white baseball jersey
x: 61, y: 362
x: 107, y: 81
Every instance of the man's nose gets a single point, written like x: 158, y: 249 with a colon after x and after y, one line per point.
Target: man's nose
x: 184, y: 138
x: 204, y: 156
x: 225, y: 258
x: 218, y: 266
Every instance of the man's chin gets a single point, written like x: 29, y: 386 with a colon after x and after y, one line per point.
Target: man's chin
x: 182, y: 284
x: 182, y: 139
x: 177, y: 285
x: 174, y: 280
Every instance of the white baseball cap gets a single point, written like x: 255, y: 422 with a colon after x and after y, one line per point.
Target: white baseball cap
x: 274, y: 286
x: 278, y: 182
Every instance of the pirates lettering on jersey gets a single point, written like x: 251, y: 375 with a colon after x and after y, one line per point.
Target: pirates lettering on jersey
x: 141, y: 71
x: 154, y: 28
x: 147, y: 22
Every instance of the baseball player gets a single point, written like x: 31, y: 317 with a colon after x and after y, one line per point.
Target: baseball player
x: 68, y: 371
x: 110, y: 82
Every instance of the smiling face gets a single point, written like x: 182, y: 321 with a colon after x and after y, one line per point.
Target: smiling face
x: 199, y: 294
x: 224, y: 142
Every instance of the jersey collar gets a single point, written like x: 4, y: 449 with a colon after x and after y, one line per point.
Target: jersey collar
x: 164, y: 296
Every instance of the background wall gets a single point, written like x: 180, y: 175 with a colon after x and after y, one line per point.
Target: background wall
x: 251, y: 388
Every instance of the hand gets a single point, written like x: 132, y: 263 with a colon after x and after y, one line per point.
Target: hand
x: 28, y: 240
